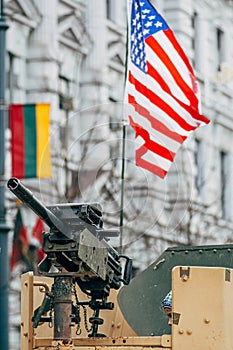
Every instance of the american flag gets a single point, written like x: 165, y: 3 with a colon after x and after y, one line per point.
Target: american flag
x: 161, y: 90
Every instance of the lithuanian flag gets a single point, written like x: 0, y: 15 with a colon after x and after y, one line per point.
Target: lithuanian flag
x: 30, y: 146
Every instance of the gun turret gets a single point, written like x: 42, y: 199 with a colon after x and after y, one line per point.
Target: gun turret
x: 77, y: 249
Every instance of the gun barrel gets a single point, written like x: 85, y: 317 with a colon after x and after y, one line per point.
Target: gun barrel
x: 27, y: 197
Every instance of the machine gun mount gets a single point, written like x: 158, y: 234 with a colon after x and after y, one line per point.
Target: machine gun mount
x: 77, y: 251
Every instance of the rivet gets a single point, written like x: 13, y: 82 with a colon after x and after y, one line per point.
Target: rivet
x: 214, y: 250
x: 206, y: 320
x: 180, y: 331
x: 186, y: 252
x: 229, y: 250
x: 119, y: 325
x: 189, y: 331
x: 184, y: 278
x: 50, y: 246
x: 200, y: 251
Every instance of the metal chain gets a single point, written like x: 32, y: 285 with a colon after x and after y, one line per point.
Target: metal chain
x: 77, y: 311
x: 51, y: 313
x: 85, y: 319
x: 77, y: 308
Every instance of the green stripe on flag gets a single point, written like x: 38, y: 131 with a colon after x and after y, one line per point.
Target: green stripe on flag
x: 30, y: 140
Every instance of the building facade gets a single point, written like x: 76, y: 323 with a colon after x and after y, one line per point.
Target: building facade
x: 72, y: 54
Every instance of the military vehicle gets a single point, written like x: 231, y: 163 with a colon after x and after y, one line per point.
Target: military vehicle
x: 85, y: 299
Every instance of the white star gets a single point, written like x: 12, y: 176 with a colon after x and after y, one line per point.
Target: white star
x: 137, y: 16
x: 145, y: 11
x: 143, y: 16
x: 142, y: 4
x: 146, y: 31
x: 137, y: 61
x: 158, y: 24
x: 134, y: 22
x: 151, y: 17
x: 139, y: 35
x: 138, y: 26
x: 148, y: 24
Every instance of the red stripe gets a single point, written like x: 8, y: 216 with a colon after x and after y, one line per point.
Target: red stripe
x: 155, y: 123
x: 156, y: 100
x: 149, y: 144
x: 149, y: 166
x: 188, y: 92
x: 170, y: 35
x: 17, y: 140
x: 159, y: 79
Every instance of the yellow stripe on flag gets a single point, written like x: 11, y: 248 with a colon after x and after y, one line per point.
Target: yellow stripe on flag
x: 44, y: 168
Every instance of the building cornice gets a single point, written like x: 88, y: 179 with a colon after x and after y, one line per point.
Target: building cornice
x: 73, y: 33
x: 24, y: 12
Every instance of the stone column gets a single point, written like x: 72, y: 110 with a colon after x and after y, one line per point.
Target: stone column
x: 42, y: 67
x: 94, y: 117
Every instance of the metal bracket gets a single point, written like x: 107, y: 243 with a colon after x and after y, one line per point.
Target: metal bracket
x: 184, y: 272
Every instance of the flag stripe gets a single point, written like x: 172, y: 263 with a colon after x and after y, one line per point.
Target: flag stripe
x: 162, y: 116
x: 150, y: 165
x: 150, y: 156
x: 42, y: 146
x: 30, y: 140
x: 150, y: 144
x: 17, y: 137
x: 158, y: 78
x: 155, y: 135
x: 162, y: 104
x: 163, y: 57
x: 155, y: 123
x: 186, y: 112
x: 37, y: 231
x: 155, y: 61
x: 176, y: 58
x: 179, y: 50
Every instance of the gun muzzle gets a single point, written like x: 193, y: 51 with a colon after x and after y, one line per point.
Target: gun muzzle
x: 27, y: 197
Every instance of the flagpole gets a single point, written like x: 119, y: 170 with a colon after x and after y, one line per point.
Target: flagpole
x: 4, y: 229
x: 122, y: 187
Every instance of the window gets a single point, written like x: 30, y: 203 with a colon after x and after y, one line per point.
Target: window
x: 194, y: 38
x: 225, y: 191
x: 199, y: 178
x: 12, y: 78
x: 197, y: 42
x: 220, y: 37
x: 65, y: 102
x: 110, y: 9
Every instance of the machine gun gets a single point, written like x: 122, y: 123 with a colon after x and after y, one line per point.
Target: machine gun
x: 77, y: 251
